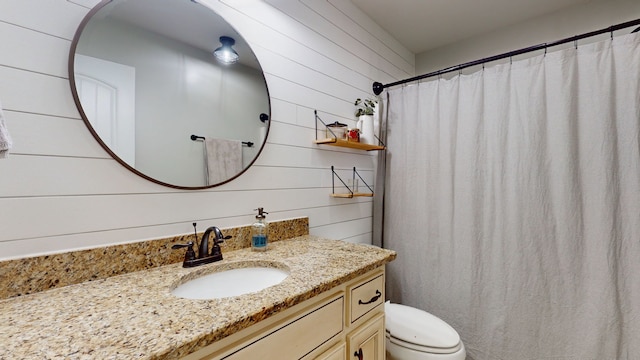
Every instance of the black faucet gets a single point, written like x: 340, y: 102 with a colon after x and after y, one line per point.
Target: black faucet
x: 215, y: 248
x: 190, y: 259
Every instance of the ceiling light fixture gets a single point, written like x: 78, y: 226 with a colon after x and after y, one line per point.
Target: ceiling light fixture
x: 225, y: 53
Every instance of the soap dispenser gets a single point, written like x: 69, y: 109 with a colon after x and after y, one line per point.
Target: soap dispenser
x: 259, y: 232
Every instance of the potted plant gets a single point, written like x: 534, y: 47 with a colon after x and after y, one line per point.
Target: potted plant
x: 365, y: 107
x: 364, y: 112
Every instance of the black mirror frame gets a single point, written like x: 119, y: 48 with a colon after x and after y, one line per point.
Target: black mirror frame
x: 265, y: 118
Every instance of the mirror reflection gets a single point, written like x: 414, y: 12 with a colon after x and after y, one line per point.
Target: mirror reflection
x: 147, y: 84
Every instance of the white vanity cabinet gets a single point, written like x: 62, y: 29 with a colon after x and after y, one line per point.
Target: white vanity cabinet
x: 339, y: 324
x: 365, y: 339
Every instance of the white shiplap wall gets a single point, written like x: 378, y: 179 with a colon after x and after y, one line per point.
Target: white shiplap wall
x: 60, y: 191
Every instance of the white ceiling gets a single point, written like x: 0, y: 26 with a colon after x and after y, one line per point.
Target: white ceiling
x: 422, y: 25
x: 185, y: 21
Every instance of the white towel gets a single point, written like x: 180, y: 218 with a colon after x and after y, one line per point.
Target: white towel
x: 5, y: 139
x: 223, y: 159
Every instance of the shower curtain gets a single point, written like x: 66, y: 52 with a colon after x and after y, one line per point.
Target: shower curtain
x: 513, y: 200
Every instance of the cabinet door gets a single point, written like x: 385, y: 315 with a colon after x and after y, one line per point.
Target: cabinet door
x: 367, y: 341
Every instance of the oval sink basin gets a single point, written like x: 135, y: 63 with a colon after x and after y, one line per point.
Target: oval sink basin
x: 228, y: 283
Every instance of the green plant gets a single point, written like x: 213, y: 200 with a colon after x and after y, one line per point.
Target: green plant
x: 365, y: 107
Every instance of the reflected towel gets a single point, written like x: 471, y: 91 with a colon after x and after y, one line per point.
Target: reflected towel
x: 223, y: 159
x: 5, y: 139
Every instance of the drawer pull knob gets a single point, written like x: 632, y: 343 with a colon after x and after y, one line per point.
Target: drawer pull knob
x: 373, y: 299
x: 359, y: 354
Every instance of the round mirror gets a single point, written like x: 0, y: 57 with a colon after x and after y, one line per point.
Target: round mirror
x: 147, y: 84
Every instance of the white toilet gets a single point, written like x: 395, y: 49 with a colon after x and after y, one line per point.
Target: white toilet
x: 414, y: 334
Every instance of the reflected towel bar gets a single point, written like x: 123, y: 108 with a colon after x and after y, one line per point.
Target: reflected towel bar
x: 196, y: 137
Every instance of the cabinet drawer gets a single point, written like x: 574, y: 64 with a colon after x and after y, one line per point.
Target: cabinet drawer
x: 299, y: 337
x: 338, y: 352
x: 366, y: 296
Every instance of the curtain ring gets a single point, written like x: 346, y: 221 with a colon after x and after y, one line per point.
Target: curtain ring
x: 575, y: 43
x: 545, y: 50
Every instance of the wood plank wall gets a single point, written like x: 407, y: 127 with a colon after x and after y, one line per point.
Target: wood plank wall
x: 59, y: 191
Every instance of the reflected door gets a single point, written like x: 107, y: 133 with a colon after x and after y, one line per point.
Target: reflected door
x: 107, y: 92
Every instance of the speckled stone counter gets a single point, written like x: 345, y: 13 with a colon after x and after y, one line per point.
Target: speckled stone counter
x: 135, y: 316
x: 31, y: 275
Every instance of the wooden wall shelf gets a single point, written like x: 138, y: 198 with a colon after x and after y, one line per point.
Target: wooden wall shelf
x: 334, y: 141
x: 349, y: 144
x: 349, y: 196
x: 351, y: 193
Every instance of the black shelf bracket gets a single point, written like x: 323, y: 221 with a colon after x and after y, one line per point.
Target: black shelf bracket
x: 351, y: 189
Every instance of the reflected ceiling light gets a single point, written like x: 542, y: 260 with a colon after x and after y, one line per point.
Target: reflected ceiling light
x: 225, y: 53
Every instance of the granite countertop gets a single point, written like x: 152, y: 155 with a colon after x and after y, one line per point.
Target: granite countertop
x: 135, y: 316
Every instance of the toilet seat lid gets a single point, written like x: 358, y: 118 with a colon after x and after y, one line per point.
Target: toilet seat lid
x: 418, y: 327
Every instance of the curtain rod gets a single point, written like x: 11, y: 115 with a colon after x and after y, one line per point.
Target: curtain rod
x: 379, y: 87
